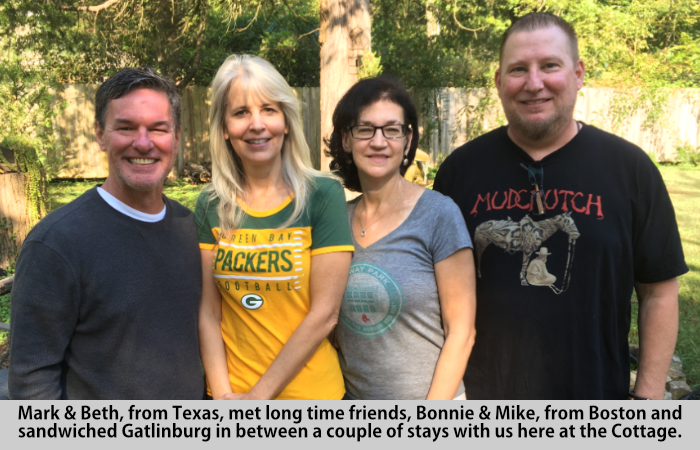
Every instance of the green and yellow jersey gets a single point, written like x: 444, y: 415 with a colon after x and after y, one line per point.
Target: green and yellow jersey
x: 263, y: 274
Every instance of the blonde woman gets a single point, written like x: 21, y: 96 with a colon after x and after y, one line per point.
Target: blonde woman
x: 275, y: 246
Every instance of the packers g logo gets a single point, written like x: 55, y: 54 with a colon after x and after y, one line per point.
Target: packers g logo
x: 251, y: 301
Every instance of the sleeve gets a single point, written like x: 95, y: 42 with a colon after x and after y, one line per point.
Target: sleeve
x: 330, y: 229
x: 658, y: 253
x: 450, y: 233
x: 202, y: 216
x: 45, y: 310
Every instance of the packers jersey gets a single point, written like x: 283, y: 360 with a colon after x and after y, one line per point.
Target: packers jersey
x: 262, y: 272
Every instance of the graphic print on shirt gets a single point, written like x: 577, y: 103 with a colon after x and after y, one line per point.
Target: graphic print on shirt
x: 373, y: 300
x: 261, y: 263
x: 527, y: 237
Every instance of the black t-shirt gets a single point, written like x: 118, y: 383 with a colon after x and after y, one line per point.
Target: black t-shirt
x: 553, y: 296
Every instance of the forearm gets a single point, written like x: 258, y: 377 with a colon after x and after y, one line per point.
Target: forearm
x: 213, y: 353
x: 456, y: 283
x: 658, y: 330
x: 329, y: 274
x: 295, y: 353
x: 451, y: 365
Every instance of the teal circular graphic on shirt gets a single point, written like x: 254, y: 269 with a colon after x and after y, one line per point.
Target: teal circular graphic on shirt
x: 373, y: 300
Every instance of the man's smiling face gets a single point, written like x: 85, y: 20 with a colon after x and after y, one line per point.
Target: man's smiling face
x: 538, y: 82
x: 140, y: 140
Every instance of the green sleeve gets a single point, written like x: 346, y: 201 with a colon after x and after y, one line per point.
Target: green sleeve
x: 205, y: 217
x: 329, y: 216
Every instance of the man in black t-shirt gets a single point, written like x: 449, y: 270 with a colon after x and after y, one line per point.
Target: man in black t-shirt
x: 566, y: 220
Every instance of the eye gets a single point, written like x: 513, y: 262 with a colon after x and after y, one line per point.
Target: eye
x: 240, y: 113
x: 393, y: 131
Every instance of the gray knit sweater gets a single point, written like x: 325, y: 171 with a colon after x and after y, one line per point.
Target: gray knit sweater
x: 105, y: 306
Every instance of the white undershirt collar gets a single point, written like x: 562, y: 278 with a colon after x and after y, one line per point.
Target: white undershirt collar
x: 128, y: 210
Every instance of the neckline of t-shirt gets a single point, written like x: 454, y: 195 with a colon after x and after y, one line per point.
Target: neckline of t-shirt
x: 410, y: 215
x: 128, y: 211
x: 266, y: 213
x: 563, y: 150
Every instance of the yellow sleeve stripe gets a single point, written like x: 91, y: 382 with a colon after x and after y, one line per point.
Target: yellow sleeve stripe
x: 335, y: 248
x: 204, y: 246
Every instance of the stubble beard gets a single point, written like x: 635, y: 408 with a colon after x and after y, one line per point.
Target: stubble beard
x: 541, y: 129
x: 143, y: 187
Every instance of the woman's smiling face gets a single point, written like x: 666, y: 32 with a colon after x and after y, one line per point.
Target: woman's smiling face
x: 255, y: 127
x: 378, y: 157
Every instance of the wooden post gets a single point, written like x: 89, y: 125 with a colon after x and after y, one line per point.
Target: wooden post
x: 15, y: 223
x: 344, y: 37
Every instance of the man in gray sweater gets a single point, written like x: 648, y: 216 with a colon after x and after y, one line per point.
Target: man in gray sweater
x: 106, y: 294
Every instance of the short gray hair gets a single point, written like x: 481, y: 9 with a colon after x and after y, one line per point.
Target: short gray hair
x: 127, y: 80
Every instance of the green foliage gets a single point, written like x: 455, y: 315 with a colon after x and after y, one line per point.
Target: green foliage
x: 624, y: 43
x: 28, y: 112
x: 686, y: 154
x: 186, y: 40
x: 371, y: 66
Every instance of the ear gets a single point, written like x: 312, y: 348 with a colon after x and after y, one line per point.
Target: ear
x: 346, y: 141
x: 409, y: 137
x: 497, y: 77
x: 580, y: 72
x: 99, y: 135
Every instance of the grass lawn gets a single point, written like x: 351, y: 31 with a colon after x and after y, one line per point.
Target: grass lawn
x: 63, y: 192
x: 683, y: 185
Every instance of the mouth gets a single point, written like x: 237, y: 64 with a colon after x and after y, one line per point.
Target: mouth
x: 378, y: 157
x: 256, y: 141
x: 535, y: 102
x: 142, y: 161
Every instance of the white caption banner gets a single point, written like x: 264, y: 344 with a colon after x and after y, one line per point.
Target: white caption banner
x: 338, y: 424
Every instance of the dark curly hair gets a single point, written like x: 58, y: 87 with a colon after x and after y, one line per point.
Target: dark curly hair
x: 363, y: 94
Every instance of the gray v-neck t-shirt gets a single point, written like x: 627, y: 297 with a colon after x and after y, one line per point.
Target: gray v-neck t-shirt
x: 390, y: 328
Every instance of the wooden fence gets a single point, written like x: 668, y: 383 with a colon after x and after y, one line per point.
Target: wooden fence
x: 450, y: 117
x: 81, y: 154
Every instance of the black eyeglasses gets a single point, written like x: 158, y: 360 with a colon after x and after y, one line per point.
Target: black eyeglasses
x: 393, y: 131
x: 535, y: 174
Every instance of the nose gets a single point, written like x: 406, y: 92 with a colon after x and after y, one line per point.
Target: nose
x: 143, y: 142
x: 256, y: 121
x: 378, y: 140
x: 534, y: 81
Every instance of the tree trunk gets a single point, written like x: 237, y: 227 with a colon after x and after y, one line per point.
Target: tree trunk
x: 15, y: 223
x: 344, y: 37
x: 433, y: 26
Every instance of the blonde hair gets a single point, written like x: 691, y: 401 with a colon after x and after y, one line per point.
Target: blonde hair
x: 255, y: 76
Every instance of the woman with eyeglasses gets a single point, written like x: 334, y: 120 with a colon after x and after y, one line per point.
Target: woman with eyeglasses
x: 275, y: 245
x: 406, y: 325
